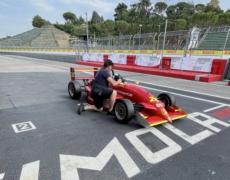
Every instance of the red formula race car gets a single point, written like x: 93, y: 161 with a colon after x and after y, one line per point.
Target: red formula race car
x: 132, y: 102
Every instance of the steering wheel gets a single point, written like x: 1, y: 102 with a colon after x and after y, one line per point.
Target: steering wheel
x: 123, y: 80
x: 112, y: 72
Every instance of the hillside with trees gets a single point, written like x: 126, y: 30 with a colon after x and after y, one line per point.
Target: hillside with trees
x: 181, y: 16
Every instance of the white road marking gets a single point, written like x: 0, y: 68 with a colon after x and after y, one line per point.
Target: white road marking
x: 207, y: 123
x: 24, y: 126
x: 191, y: 139
x: 211, y: 109
x: 30, y: 171
x: 179, y: 89
x: 69, y: 164
x: 148, y: 155
x: 2, y: 176
x: 191, y: 97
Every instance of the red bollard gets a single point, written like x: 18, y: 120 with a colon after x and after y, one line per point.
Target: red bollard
x: 72, y: 74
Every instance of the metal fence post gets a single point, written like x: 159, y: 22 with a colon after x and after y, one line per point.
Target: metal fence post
x: 225, y: 44
x: 158, y: 41
x: 166, y: 23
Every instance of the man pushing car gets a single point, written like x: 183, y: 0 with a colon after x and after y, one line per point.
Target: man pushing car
x: 100, y: 89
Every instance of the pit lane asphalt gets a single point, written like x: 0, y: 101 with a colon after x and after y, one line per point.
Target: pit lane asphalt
x: 36, y: 90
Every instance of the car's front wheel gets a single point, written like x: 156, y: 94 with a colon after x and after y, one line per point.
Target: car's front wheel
x: 167, y: 99
x: 123, y: 110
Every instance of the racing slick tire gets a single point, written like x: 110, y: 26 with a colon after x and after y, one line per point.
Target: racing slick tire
x: 167, y: 99
x: 123, y: 110
x: 74, y: 89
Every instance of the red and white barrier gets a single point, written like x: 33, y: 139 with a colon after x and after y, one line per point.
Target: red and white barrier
x: 192, y: 68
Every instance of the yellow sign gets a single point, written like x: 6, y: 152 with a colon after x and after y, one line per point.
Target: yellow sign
x: 164, y: 112
x: 152, y: 99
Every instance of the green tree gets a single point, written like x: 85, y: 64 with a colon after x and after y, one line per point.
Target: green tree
x: 141, y: 12
x: 102, y: 19
x: 69, y: 28
x: 46, y: 22
x: 181, y: 10
x: 95, y: 28
x: 157, y: 20
x: 211, y: 8
x: 81, y: 20
x: 160, y: 7
x: 124, y: 16
x: 180, y: 24
x: 204, y: 20
x: 122, y: 27
x: 95, y: 18
x: 223, y: 19
x: 38, y: 21
x: 170, y: 25
x: 59, y: 26
x: 70, y: 17
x: 200, y: 7
x: 80, y: 30
x: 120, y: 10
x: 108, y: 27
x: 132, y: 29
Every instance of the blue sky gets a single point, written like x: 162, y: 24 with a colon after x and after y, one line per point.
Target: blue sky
x: 16, y: 15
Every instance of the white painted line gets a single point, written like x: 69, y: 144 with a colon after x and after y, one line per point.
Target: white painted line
x: 179, y: 89
x: 191, y: 139
x: 70, y: 164
x: 191, y: 97
x: 217, y: 107
x: 30, y: 171
x: 2, y: 176
x: 24, y: 126
x: 156, y: 157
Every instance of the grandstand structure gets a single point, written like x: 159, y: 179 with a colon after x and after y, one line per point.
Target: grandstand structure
x: 215, y: 38
x: 44, y: 37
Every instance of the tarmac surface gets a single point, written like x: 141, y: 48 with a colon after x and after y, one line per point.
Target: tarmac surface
x: 43, y: 137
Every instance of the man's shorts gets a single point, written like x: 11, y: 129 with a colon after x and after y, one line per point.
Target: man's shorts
x: 99, y: 97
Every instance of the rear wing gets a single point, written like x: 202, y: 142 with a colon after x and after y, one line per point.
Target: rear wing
x: 73, y: 72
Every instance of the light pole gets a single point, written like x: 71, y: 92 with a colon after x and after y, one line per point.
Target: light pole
x: 159, y: 27
x: 140, y: 25
x: 102, y: 40
x: 166, y: 23
x: 87, y: 31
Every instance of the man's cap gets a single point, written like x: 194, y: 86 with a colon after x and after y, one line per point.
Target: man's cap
x: 108, y: 62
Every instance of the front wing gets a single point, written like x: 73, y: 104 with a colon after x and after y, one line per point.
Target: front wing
x: 149, y: 121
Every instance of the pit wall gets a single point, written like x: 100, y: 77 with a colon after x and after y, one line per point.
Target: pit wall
x: 70, y: 55
x: 217, y: 70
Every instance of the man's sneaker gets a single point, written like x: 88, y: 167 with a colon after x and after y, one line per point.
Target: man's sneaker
x: 111, y: 113
x: 81, y: 108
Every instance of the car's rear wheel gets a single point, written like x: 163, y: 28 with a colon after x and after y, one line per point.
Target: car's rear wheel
x: 167, y: 99
x: 123, y: 110
x: 74, y: 89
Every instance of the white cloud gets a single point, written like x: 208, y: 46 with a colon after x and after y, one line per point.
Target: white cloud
x: 4, y: 4
x: 102, y: 7
x: 42, y: 5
